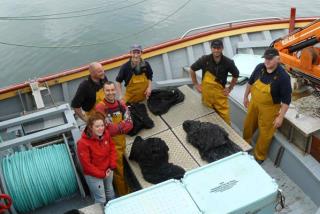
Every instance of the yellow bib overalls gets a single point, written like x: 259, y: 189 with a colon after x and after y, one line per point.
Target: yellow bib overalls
x: 213, y: 97
x: 120, y: 144
x: 261, y: 114
x: 136, y: 87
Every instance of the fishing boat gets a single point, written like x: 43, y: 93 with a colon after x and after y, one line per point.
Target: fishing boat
x: 27, y: 109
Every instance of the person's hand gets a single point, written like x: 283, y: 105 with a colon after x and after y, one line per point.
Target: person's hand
x: 246, y: 102
x: 226, y: 91
x: 147, y: 93
x: 278, y: 121
x: 198, y: 87
x: 108, y: 172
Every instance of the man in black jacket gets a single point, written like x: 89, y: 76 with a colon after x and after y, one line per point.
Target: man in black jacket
x: 90, y: 91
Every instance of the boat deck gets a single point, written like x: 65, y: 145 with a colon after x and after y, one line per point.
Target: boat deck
x: 183, y: 154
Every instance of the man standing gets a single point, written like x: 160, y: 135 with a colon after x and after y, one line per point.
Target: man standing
x: 90, y: 91
x: 215, y: 68
x: 270, y: 90
x: 137, y: 76
x: 118, y: 123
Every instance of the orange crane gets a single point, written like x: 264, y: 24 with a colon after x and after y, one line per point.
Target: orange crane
x: 300, y: 54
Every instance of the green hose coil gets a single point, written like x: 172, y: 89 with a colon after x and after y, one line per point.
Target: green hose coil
x: 38, y: 177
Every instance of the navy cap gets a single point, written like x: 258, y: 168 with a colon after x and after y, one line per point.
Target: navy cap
x: 136, y: 47
x: 217, y: 43
x: 269, y: 53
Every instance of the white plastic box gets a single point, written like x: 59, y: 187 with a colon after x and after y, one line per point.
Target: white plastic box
x: 236, y: 184
x: 169, y: 197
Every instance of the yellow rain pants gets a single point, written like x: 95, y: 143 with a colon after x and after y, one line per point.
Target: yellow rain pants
x: 120, y: 183
x: 213, y: 97
x: 261, y: 114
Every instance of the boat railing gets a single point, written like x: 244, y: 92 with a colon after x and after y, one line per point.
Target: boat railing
x: 229, y: 24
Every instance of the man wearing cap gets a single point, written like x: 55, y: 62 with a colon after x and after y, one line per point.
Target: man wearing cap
x: 270, y: 89
x: 215, y: 68
x: 137, y: 77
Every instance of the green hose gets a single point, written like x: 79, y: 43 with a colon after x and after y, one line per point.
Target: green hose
x: 38, y: 177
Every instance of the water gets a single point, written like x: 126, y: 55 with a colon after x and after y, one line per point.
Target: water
x: 114, y: 19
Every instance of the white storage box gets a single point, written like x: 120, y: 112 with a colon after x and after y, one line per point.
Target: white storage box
x: 169, y: 197
x: 236, y: 184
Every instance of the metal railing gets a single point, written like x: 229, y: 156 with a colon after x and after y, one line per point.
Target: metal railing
x: 229, y: 24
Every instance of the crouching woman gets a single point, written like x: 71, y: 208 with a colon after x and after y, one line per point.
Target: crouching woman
x: 97, y: 155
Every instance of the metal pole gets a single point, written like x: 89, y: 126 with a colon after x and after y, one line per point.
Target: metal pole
x: 292, y: 22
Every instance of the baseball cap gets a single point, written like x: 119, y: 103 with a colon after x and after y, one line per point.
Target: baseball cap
x: 217, y: 43
x: 136, y: 47
x: 269, y: 53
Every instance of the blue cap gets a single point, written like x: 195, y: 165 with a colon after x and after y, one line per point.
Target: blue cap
x: 136, y: 47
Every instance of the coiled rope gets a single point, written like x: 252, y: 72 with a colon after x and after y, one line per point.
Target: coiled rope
x: 38, y: 177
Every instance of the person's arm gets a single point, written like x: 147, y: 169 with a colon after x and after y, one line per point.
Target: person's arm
x: 119, y: 79
x: 228, y: 89
x: 84, y: 157
x: 246, y: 96
x: 194, y: 67
x: 285, y: 93
x: 119, y: 90
x: 113, y: 155
x: 77, y: 101
x: 147, y: 93
x: 279, y: 119
x: 235, y: 74
x: 80, y: 114
x: 149, y: 75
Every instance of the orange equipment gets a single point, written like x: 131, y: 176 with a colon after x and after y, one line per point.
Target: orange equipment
x: 299, y: 54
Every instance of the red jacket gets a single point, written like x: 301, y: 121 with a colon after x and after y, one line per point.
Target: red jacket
x: 96, y: 155
x: 125, y: 125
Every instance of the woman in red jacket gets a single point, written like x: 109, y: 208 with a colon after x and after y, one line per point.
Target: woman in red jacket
x: 97, y: 156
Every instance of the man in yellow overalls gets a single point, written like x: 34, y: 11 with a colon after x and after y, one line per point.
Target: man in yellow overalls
x: 270, y: 89
x: 215, y: 68
x: 90, y: 91
x: 118, y: 123
x: 137, y: 77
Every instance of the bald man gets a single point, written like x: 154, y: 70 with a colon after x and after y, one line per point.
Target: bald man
x: 90, y: 91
